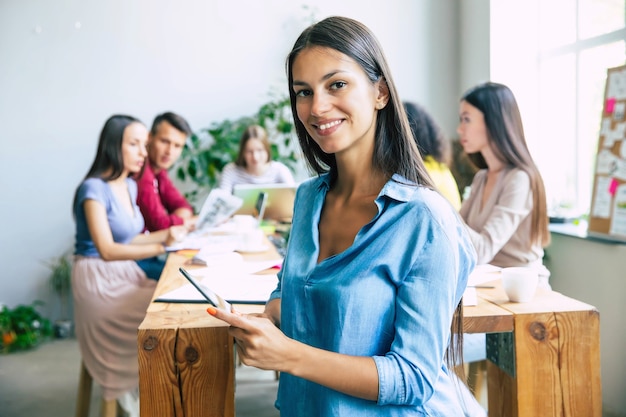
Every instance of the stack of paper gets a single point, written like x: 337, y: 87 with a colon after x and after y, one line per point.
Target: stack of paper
x: 481, y: 273
x: 237, y: 283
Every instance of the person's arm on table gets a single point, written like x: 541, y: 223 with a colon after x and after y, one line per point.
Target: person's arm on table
x: 142, y: 246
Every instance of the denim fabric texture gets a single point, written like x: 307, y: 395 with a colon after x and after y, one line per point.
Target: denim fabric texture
x: 391, y: 296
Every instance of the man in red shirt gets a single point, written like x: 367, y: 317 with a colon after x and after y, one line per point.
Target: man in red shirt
x: 161, y: 204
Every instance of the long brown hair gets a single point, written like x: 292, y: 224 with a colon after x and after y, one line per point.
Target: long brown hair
x: 505, y: 134
x: 108, y: 163
x: 395, y: 150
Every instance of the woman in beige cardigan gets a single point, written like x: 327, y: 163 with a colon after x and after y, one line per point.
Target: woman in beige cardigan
x: 506, y: 211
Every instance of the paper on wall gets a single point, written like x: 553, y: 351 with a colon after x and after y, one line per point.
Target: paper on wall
x: 616, y: 85
x: 618, y: 220
x: 602, y: 198
x: 606, y: 162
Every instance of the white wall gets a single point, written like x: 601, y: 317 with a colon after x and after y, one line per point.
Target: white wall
x: 65, y: 66
x: 595, y: 272
x: 475, y: 44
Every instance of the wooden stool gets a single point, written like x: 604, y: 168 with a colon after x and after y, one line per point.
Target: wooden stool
x: 109, y: 408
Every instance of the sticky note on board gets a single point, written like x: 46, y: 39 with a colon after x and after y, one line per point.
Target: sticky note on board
x: 613, y: 186
x: 610, y: 105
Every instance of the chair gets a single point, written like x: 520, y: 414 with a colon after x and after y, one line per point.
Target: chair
x: 109, y: 408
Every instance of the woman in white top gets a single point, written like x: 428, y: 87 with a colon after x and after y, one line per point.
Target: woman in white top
x: 254, y: 164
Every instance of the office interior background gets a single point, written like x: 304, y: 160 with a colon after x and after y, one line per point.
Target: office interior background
x: 66, y: 66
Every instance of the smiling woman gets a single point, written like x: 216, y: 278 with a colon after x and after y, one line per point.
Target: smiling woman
x: 358, y: 324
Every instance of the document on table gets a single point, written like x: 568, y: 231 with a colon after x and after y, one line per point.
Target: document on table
x: 236, y: 284
x: 218, y: 244
x: 469, y: 297
x: 483, y: 273
x: 480, y: 274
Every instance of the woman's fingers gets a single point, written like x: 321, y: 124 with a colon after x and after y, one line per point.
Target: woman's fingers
x: 234, y: 318
x: 259, y: 342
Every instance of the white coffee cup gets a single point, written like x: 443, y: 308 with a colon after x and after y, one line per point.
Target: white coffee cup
x: 251, y: 240
x: 520, y: 283
x: 244, y: 222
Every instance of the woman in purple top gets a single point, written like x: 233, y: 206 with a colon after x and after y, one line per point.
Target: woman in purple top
x: 111, y: 292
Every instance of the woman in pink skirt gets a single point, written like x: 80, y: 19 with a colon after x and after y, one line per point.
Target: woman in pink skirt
x: 111, y: 292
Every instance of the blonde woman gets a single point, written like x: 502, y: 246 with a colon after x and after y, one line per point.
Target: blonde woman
x: 254, y: 164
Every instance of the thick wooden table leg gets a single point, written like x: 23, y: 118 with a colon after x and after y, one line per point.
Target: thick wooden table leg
x: 179, y: 378
x: 550, y: 366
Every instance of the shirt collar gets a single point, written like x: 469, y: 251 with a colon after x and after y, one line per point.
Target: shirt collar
x: 397, y: 188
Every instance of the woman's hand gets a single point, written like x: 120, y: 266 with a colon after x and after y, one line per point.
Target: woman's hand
x: 175, y: 234
x: 259, y: 342
x: 190, y: 223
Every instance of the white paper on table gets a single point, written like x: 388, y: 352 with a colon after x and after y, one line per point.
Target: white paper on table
x: 210, y: 258
x: 232, y: 267
x: 236, y: 289
x: 483, y: 273
x: 469, y: 297
x: 208, y: 243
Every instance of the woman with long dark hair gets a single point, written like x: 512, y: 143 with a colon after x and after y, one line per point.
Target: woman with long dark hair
x: 506, y: 210
x: 111, y: 292
x: 377, y: 261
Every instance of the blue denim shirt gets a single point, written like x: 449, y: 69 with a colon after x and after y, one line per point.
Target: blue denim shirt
x: 391, y: 296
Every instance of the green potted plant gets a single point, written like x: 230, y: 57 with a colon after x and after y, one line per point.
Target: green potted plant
x: 210, y: 149
x: 22, y: 327
x: 60, y: 282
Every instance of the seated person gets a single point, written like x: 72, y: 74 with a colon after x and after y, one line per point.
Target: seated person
x: 253, y: 164
x: 435, y: 150
x: 110, y: 291
x: 161, y: 204
x: 506, y: 210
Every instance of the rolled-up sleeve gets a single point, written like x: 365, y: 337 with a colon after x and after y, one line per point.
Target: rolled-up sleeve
x: 425, y: 303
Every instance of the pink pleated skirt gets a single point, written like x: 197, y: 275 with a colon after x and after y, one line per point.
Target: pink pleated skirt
x: 110, y: 302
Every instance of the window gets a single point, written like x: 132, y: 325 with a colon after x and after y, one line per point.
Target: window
x: 554, y: 55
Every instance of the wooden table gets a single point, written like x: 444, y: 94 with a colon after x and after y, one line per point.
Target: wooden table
x: 544, y: 356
